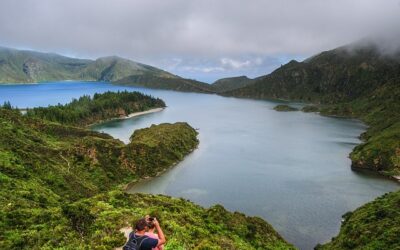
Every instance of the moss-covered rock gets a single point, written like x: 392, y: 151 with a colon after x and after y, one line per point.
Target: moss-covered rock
x: 284, y: 108
x: 310, y: 108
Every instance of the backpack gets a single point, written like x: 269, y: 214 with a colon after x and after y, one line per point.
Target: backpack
x: 134, y: 242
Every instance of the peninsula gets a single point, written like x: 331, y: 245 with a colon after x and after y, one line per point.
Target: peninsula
x: 62, y: 185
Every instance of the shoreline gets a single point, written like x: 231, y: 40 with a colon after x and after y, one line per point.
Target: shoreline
x: 131, y: 115
x: 130, y: 185
x: 142, y: 113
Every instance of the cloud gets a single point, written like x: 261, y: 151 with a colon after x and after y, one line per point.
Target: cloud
x: 231, y: 31
x: 235, y: 64
x: 202, y: 69
x: 213, y: 68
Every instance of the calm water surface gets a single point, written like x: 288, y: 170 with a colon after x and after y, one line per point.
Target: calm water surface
x: 290, y: 168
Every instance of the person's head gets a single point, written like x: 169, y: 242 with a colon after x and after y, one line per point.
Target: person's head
x: 151, y: 225
x: 141, y: 225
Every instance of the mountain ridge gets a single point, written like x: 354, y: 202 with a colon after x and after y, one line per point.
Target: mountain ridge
x: 358, y: 82
x: 231, y: 83
x: 26, y: 66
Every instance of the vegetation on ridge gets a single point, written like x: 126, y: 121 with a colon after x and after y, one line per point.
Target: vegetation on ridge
x: 353, y: 81
x: 87, y: 110
x: 231, y: 83
x: 20, y: 66
x: 284, y: 107
x: 375, y: 225
x: 178, y: 84
x: 60, y: 187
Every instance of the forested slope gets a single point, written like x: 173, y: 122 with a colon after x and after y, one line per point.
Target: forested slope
x: 61, y: 188
x: 88, y: 110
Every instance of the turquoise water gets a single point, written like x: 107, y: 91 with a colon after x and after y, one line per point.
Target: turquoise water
x: 290, y: 168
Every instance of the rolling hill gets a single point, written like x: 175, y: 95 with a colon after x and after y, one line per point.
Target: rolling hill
x: 22, y: 66
x: 231, y: 83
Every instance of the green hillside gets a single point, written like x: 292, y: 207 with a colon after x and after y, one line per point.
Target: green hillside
x: 375, y: 225
x: 352, y: 81
x: 21, y: 66
x: 334, y: 76
x: 61, y: 188
x: 89, y: 110
x: 18, y: 66
x: 231, y: 83
x: 110, y: 69
x: 178, y: 84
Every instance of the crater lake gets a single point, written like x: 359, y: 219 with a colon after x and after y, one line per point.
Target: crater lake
x: 290, y: 168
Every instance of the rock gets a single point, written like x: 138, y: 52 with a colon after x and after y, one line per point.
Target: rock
x: 284, y: 108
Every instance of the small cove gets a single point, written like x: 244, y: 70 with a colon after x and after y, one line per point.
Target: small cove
x: 291, y: 169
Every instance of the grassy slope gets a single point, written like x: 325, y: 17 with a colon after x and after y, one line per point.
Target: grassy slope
x: 340, y: 75
x: 376, y: 225
x: 60, y: 188
x: 231, y: 83
x: 380, y: 110
x: 179, y: 84
x: 113, y: 68
x: 28, y: 66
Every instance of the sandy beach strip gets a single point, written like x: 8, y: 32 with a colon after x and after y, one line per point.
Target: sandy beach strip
x: 128, y: 116
x: 143, y: 113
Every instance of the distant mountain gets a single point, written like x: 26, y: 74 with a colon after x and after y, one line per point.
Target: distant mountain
x: 19, y: 66
x: 352, y: 81
x: 114, y: 68
x: 177, y: 83
x: 338, y: 75
x: 22, y: 66
x: 231, y: 83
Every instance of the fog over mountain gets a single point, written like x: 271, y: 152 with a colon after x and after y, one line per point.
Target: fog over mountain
x: 198, y: 39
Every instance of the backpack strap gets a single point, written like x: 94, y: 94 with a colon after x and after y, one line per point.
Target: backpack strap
x: 138, y: 241
x: 143, y: 238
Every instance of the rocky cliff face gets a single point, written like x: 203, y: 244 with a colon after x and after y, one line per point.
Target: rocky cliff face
x: 32, y: 68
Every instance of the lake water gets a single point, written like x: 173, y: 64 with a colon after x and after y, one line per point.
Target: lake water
x: 290, y: 168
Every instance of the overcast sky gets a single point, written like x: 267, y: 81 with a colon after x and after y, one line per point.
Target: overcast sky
x: 202, y: 39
